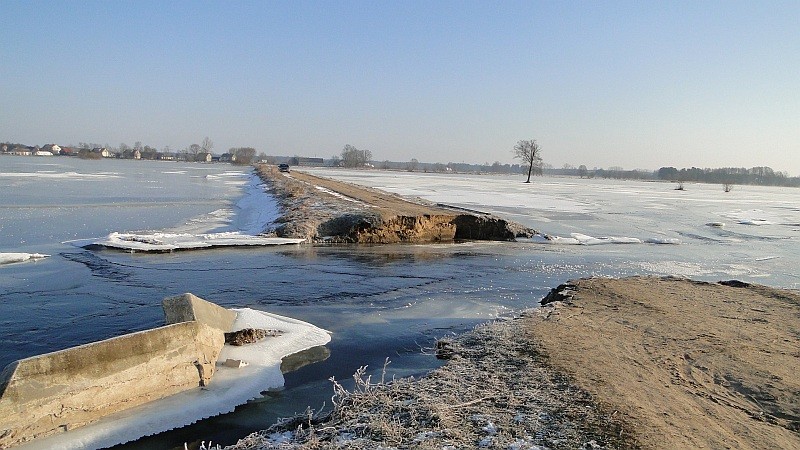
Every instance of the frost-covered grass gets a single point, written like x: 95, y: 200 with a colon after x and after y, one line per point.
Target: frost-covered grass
x: 496, y: 391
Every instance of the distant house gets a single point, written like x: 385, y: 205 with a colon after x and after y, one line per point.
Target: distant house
x: 52, y: 148
x: 69, y: 151
x: 137, y: 154
x: 226, y: 157
x: 102, y: 151
x: 203, y: 157
x: 166, y: 156
x: 304, y: 161
x: 43, y: 153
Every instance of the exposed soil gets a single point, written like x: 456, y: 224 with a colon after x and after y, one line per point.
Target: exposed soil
x: 687, y: 364
x: 249, y: 336
x: 642, y: 362
x: 324, y: 210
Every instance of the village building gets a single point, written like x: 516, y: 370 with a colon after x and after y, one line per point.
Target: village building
x: 52, y: 148
x: 103, y: 152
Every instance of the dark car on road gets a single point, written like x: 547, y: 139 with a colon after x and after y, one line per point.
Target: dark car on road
x: 283, y: 167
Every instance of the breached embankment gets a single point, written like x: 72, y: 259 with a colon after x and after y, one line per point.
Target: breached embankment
x: 324, y: 210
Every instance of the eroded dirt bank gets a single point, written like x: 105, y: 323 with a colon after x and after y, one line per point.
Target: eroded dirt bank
x: 642, y: 362
x: 324, y: 210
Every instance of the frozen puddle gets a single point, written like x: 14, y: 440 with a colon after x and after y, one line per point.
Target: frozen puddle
x: 167, y: 242
x: 228, y: 388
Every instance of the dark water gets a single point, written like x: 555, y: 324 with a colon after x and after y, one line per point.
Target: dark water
x: 379, y: 302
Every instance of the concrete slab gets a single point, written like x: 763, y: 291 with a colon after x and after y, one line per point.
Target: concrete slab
x: 188, y: 307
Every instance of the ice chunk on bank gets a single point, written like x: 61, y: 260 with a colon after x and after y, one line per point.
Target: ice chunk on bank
x: 9, y: 258
x: 229, y: 387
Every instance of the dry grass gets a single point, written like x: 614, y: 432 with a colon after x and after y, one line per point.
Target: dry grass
x: 495, y: 392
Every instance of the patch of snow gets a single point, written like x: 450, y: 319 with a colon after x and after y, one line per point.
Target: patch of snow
x: 228, y: 388
x: 256, y: 210
x: 280, y: 438
x: 341, y: 196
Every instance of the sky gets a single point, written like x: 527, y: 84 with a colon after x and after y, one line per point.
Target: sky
x: 630, y: 84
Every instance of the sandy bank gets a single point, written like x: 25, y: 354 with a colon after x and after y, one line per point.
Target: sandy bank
x: 643, y: 362
x: 323, y: 210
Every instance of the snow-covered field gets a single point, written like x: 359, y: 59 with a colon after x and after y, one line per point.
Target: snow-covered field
x: 749, y: 225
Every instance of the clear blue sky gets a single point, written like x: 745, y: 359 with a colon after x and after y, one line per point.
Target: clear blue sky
x: 632, y: 84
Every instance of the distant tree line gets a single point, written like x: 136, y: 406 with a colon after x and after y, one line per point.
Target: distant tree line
x: 763, y: 176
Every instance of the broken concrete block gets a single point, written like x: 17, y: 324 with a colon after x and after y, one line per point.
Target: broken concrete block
x: 55, y: 392
x: 188, y: 307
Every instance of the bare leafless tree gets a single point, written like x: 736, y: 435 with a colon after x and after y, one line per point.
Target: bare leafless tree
x: 207, y: 145
x: 531, y: 154
x: 353, y: 157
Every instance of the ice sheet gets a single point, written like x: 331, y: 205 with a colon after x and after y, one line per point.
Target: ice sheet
x: 228, y: 388
x: 167, y: 242
x: 239, y: 225
x: 583, y: 239
x: 58, y: 175
x: 9, y: 258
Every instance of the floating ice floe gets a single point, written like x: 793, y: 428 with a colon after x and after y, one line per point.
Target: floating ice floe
x: 664, y: 241
x: 755, y: 222
x: 9, y: 258
x: 229, y: 387
x: 167, y: 242
x: 581, y: 239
